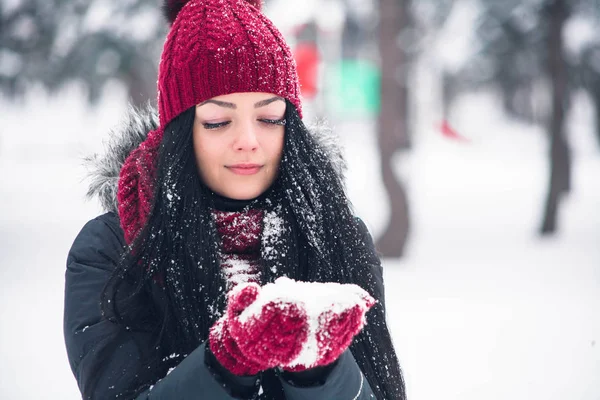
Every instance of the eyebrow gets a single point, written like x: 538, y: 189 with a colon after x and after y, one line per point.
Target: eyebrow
x: 263, y: 103
x: 225, y: 104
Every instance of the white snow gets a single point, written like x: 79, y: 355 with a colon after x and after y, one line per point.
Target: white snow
x: 236, y: 270
x: 480, y: 308
x: 235, y: 265
x: 273, y: 227
x: 315, y: 299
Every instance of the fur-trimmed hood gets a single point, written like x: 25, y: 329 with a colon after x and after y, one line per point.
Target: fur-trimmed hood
x: 103, y: 168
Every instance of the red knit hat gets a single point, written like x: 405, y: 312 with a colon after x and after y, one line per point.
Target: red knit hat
x: 214, y: 47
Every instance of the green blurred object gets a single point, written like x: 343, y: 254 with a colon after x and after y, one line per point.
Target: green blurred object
x: 354, y: 88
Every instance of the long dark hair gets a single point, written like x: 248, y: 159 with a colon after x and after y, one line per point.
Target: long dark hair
x: 169, y: 283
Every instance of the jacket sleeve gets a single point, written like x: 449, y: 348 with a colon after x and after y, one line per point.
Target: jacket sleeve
x: 345, y: 381
x: 91, y: 260
x: 192, y: 380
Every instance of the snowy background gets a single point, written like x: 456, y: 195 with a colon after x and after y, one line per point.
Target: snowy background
x: 480, y: 308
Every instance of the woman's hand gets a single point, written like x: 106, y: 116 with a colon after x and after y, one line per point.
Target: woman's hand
x: 290, y: 324
x: 337, y: 313
x: 256, y: 334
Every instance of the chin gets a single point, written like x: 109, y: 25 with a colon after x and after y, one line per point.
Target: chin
x: 248, y: 194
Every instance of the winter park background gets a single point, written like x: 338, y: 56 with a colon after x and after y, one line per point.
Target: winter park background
x: 480, y: 306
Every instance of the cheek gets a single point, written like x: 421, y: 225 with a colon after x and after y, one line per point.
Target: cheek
x: 206, y: 158
x: 198, y: 149
x: 276, y: 149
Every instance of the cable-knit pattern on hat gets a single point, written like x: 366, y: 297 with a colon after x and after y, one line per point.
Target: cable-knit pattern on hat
x: 218, y: 47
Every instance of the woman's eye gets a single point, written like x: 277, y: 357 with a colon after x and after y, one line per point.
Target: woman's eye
x: 280, y: 122
x: 217, y: 125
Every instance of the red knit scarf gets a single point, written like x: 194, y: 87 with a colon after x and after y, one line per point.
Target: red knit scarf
x: 240, y: 234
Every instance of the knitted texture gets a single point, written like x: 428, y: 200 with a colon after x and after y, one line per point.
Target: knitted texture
x: 273, y: 336
x: 228, y: 353
x: 290, y: 324
x: 136, y: 186
x: 240, y: 234
x: 214, y: 47
x: 218, y: 47
x: 334, y: 333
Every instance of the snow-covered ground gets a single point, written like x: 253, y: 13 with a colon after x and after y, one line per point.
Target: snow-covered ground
x: 479, y: 309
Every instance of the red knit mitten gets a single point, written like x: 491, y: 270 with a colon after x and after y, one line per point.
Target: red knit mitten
x: 254, y: 334
x: 228, y: 353
x: 336, y: 313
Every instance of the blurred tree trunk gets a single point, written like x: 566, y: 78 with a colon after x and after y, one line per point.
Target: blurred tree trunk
x: 560, y: 159
x: 393, y: 120
x: 140, y: 80
x: 140, y: 91
x: 596, y: 99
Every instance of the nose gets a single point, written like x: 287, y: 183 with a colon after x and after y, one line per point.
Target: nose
x: 246, y: 138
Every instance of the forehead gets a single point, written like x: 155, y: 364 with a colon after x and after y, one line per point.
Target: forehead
x: 244, y: 96
x: 237, y: 101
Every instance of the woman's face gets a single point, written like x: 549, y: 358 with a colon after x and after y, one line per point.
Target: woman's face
x: 238, y: 142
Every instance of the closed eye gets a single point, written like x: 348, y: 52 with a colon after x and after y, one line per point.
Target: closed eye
x: 217, y: 125
x: 280, y: 122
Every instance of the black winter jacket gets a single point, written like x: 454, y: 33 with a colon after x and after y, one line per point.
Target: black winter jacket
x: 90, y: 262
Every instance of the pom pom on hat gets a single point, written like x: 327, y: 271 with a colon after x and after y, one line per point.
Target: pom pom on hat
x: 171, y: 8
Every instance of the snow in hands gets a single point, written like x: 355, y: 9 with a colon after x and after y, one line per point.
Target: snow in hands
x: 331, y: 314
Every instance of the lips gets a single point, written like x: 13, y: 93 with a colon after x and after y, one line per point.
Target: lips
x: 244, y: 169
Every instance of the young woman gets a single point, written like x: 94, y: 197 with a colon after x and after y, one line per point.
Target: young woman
x: 229, y: 264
